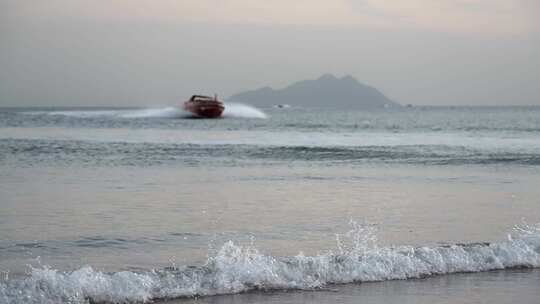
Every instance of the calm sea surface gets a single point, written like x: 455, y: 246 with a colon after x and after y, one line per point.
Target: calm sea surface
x: 416, y: 205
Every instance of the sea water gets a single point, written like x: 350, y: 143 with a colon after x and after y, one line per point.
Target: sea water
x: 134, y: 205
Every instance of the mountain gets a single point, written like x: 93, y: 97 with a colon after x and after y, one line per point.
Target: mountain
x: 326, y: 91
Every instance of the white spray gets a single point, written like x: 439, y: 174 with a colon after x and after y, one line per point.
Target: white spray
x: 232, y: 110
x: 242, y: 111
x: 236, y: 269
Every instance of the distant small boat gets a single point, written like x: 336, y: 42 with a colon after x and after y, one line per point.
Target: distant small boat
x: 204, y: 106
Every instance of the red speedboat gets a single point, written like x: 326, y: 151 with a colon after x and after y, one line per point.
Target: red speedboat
x: 204, y: 106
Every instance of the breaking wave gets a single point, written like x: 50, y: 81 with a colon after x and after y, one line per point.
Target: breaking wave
x: 147, y: 153
x: 235, y: 269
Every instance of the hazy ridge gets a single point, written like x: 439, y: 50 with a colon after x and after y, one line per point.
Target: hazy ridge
x: 327, y: 91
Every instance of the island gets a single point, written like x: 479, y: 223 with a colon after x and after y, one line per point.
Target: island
x: 327, y: 91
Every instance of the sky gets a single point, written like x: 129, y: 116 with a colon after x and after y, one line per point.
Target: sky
x: 159, y: 52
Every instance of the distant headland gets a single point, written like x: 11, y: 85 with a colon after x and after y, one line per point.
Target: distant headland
x: 325, y: 91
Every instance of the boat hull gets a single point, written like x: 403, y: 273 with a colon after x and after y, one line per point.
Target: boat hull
x: 204, y: 109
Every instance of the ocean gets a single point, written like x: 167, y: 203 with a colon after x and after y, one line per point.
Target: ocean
x: 277, y: 205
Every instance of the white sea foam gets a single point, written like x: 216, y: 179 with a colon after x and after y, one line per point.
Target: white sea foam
x: 236, y: 269
x: 462, y: 143
x: 168, y: 112
x: 231, y: 110
x: 81, y: 113
x: 242, y: 111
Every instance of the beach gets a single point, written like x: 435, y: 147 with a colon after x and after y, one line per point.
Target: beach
x: 420, y: 205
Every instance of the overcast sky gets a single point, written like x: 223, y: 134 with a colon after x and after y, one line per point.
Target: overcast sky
x: 159, y: 52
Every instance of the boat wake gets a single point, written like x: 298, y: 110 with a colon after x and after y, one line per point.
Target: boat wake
x: 166, y: 112
x: 235, y: 269
x: 231, y: 110
x: 242, y: 111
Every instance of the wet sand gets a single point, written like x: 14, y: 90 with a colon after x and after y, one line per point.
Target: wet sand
x: 517, y: 286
